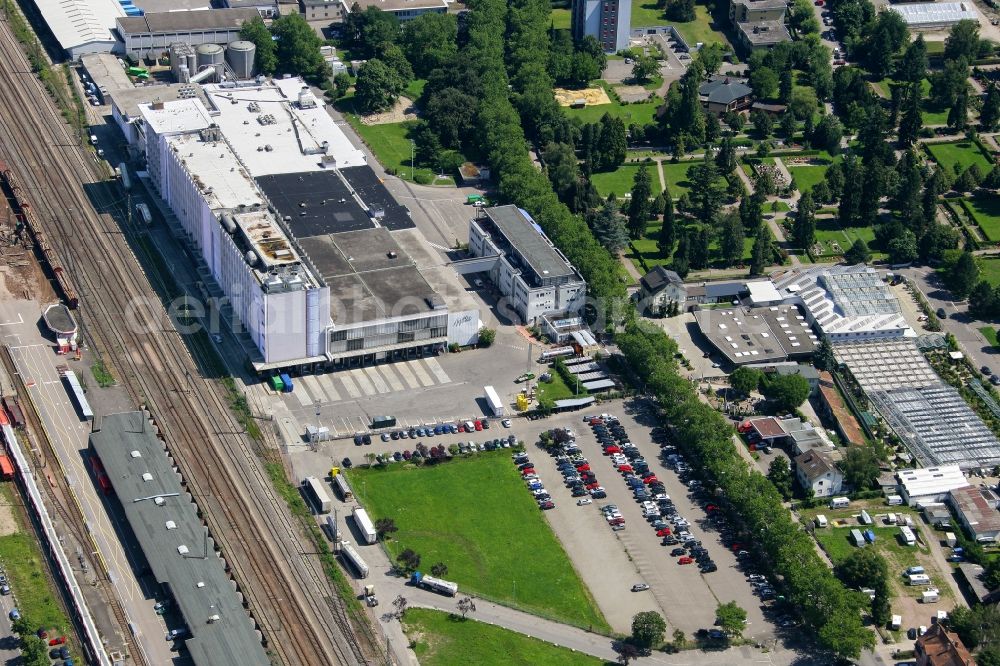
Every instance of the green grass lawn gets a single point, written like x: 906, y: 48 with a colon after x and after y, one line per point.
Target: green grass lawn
x: 963, y: 153
x: 640, y: 114
x: 647, y: 14
x: 990, y: 334
x: 476, y: 516
x: 646, y: 249
x: 557, y: 389
x: 441, y: 639
x: 698, y: 30
x: 620, y: 180
x: 986, y: 212
x: 807, y: 177
x: 829, y: 232
x: 675, y: 173
x: 561, y: 19
x: 989, y: 269
x: 415, y: 89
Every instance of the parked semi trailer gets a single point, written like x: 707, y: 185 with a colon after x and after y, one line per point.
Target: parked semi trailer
x: 444, y: 587
x: 352, y: 556
x: 317, y: 494
x: 365, y: 525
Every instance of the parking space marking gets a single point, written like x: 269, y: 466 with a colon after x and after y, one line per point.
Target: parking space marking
x: 435, y: 367
x: 404, y: 369
x: 303, y: 397
x: 313, y: 386
x: 326, y: 381
x: 363, y: 382
x: 422, y: 375
x: 348, y: 383
x: 376, y: 378
x: 391, y: 377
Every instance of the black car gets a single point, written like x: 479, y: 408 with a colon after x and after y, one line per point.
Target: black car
x: 486, y: 424
x: 670, y: 541
x: 941, y: 313
x: 677, y: 552
x: 358, y: 440
x: 346, y: 462
x: 709, y: 567
x: 598, y: 494
x: 579, y: 492
x: 393, y: 435
x: 525, y: 465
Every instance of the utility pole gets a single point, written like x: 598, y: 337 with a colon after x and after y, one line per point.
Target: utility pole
x: 412, y: 153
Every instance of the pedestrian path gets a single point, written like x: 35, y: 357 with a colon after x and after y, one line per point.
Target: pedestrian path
x: 364, y: 382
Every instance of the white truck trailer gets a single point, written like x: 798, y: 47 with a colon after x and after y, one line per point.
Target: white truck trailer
x: 365, y: 525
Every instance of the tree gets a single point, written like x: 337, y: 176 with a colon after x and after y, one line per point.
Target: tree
x: 486, y: 337
x: 989, y: 116
x: 395, y: 60
x: 430, y: 42
x: 786, y: 85
x: 639, y: 207
x: 609, y: 228
x: 764, y: 82
x: 745, y: 380
x: 711, y: 56
x: 788, y: 125
x: 860, y: 467
x: 958, y: 115
x: 984, y: 301
x: 828, y: 134
x: 725, y: 159
x: 439, y: 569
x: 644, y: 68
x: 863, y: 567
x: 731, y: 239
x: 384, y: 527
x: 665, y: 241
x: 804, y: 229
x: 760, y: 255
x: 698, y: 253
x: 297, y: 49
x: 903, y: 248
x: 884, y: 39
x: 913, y: 65
x: 255, y: 31
x: 731, y: 618
x: 936, y: 240
x: 34, y: 651
x: 762, y: 121
x: 401, y: 605
x: 963, y: 276
x: 963, y: 41
x: 780, y: 475
x: 705, y: 192
x: 409, y: 560
x: 378, y: 86
x: 342, y: 83
x: 626, y: 652
x: 824, y: 358
x: 648, y: 628
x: 612, y: 144
x: 466, y: 605
x: 858, y: 253
x: 787, y: 392
x: 681, y: 10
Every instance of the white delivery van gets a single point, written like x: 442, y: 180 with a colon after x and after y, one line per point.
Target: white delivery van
x: 839, y: 503
x: 918, y: 579
x: 821, y: 521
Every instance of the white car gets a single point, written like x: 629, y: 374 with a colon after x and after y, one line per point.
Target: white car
x: 505, y: 423
x: 584, y: 501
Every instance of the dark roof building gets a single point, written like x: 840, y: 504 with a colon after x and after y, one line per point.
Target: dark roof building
x: 660, y: 287
x: 180, y: 553
x: 721, y: 94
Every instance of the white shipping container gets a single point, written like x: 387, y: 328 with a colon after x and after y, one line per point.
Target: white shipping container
x: 365, y: 525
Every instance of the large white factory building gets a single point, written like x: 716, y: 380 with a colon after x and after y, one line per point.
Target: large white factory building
x: 296, y: 229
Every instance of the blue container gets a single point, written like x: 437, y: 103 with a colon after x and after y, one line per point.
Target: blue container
x: 287, y: 381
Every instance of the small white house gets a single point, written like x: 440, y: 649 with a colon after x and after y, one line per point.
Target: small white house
x: 816, y: 472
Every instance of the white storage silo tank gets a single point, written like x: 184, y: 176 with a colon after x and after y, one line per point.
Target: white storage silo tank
x: 240, y: 55
x: 210, y: 55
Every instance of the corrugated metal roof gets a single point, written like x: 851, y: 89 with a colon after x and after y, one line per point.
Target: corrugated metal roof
x: 78, y: 22
x: 929, y: 13
x: 212, y: 19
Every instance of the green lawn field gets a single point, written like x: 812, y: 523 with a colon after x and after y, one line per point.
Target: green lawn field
x: 620, y: 180
x: 989, y: 269
x: 990, y: 334
x: 561, y: 19
x: 986, y: 212
x: 557, y: 389
x: 391, y: 144
x: 807, y: 177
x: 698, y: 30
x: 639, y: 114
x: 828, y: 232
x: 441, y: 639
x: 675, y: 173
x: 963, y: 153
x: 415, y: 89
x: 476, y: 516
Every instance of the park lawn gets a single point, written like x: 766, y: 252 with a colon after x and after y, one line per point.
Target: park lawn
x: 989, y: 270
x: 391, y: 144
x: 675, y: 173
x: 648, y: 14
x: 929, y: 116
x: 620, y: 180
x: 777, y: 206
x: 807, y: 177
x: 556, y: 389
x: 561, y: 19
x: 700, y: 29
x: 443, y: 639
x: 415, y: 89
x: 990, y: 334
x: 476, y: 517
x: 986, y: 212
x: 963, y: 153
x: 828, y: 232
x: 639, y: 114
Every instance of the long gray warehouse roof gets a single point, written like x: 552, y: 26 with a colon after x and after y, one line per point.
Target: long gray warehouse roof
x: 173, y: 539
x: 211, y: 19
x: 528, y: 241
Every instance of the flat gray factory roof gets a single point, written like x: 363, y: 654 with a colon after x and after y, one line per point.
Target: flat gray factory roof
x: 128, y: 99
x: 173, y: 539
x: 528, y: 241
x: 210, y: 19
x: 757, y: 335
x: 366, y: 281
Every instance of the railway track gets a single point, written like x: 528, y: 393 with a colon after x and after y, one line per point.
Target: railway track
x: 301, y: 616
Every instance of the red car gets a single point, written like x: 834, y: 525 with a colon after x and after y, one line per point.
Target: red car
x: 583, y: 468
x: 710, y: 507
x: 616, y: 521
x: 527, y: 470
x: 461, y: 427
x: 663, y: 532
x: 650, y: 480
x: 612, y: 449
x: 685, y: 560
x: 736, y: 547
x: 479, y: 425
x: 591, y: 486
x: 624, y: 469
x: 58, y: 640
x: 596, y: 421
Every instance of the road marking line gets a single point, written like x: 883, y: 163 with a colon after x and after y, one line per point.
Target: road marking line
x: 404, y: 369
x: 326, y: 381
x: 422, y: 375
x: 313, y: 385
x: 386, y: 370
x: 20, y: 320
x: 435, y: 367
x: 349, y: 385
x: 376, y: 378
x: 362, y: 381
x: 303, y: 397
